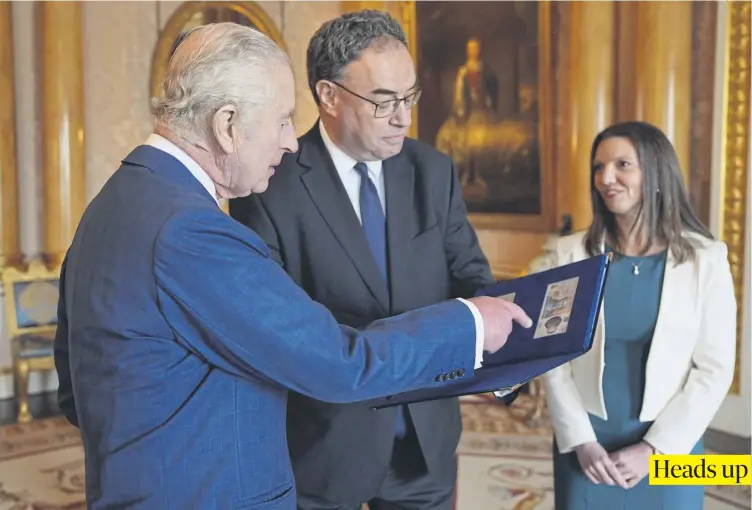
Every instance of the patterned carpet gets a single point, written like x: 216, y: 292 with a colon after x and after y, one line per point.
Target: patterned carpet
x: 41, y: 466
x: 505, y: 464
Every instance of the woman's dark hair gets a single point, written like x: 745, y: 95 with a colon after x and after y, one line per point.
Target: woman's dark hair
x: 665, y: 212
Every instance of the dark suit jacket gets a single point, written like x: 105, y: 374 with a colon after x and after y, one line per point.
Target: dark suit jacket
x: 179, y: 337
x: 342, y: 452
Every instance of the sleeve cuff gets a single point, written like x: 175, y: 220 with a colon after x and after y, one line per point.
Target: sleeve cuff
x: 568, y: 444
x: 479, y: 333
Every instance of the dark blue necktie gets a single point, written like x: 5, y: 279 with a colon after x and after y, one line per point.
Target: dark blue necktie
x: 374, y: 227
x: 372, y: 217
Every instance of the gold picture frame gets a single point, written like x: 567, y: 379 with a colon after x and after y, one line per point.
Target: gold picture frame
x: 545, y: 220
x: 182, y: 16
x: 735, y: 158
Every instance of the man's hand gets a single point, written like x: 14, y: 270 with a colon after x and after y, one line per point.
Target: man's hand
x: 633, y: 462
x: 598, y: 466
x: 498, y: 315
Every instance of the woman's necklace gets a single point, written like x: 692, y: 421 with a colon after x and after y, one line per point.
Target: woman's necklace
x: 636, y: 268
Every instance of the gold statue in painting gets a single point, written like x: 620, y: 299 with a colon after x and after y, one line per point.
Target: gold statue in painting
x: 474, y: 135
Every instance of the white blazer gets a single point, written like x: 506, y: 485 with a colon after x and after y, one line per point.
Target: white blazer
x: 691, y: 361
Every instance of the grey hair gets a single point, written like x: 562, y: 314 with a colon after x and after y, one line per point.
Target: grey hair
x: 229, y: 64
x: 342, y: 40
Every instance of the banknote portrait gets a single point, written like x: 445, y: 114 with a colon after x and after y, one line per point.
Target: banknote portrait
x: 556, y: 309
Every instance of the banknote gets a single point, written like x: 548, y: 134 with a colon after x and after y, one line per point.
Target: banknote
x: 556, y: 309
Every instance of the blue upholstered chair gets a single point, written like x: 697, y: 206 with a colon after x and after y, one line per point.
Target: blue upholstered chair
x: 31, y: 296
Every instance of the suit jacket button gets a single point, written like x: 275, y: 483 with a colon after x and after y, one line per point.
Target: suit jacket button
x: 438, y: 378
x: 453, y: 374
x: 461, y: 372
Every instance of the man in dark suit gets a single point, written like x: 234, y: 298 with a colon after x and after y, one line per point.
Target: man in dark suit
x: 371, y: 224
x: 179, y: 336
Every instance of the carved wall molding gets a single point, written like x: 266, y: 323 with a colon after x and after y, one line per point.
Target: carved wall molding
x: 735, y: 155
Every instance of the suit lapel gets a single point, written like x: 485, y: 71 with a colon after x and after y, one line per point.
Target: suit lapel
x: 330, y: 198
x: 399, y: 184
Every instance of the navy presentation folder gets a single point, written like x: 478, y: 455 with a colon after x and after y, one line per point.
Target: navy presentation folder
x: 563, y: 302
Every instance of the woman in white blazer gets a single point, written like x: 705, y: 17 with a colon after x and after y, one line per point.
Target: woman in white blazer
x: 663, y: 354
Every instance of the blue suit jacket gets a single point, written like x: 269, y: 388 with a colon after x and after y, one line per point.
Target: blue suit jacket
x: 179, y: 337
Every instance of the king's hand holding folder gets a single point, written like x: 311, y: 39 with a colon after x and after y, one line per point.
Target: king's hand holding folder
x: 563, y: 302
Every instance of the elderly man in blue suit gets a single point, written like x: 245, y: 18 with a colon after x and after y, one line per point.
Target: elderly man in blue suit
x: 179, y: 337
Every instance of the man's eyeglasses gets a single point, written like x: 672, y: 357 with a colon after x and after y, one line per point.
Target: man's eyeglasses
x: 389, y: 107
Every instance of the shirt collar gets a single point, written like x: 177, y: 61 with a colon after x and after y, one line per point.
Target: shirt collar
x: 341, y: 160
x: 163, y: 144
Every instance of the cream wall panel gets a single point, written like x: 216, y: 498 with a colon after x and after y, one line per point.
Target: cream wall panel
x: 119, y: 39
x: 301, y: 20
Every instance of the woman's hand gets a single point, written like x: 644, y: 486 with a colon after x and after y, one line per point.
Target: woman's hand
x: 633, y: 462
x: 597, y: 465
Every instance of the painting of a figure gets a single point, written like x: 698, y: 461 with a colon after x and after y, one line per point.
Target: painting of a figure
x: 478, y: 67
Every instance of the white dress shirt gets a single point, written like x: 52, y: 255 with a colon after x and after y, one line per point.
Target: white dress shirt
x: 345, y: 166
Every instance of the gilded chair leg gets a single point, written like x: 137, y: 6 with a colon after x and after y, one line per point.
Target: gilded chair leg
x: 22, y: 392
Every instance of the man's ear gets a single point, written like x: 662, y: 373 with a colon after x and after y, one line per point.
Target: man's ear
x: 327, y: 95
x: 224, y: 126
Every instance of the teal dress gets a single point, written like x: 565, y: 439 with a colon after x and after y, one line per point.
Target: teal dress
x: 630, y: 307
